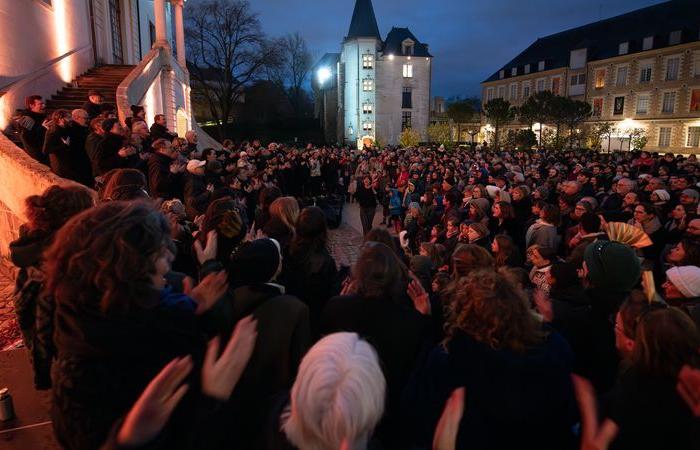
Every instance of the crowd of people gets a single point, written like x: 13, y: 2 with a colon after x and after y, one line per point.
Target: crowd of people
x: 507, y: 298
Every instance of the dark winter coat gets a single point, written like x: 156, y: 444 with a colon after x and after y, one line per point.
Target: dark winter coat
x: 196, y: 195
x: 33, y: 137
x: 107, y: 155
x: 160, y: 132
x: 162, y: 183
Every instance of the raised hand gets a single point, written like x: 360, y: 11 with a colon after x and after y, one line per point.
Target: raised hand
x: 594, y: 436
x: 219, y: 376
x: 153, y: 408
x: 418, y: 295
x: 210, y: 249
x: 688, y: 388
x: 446, y: 432
x: 206, y: 293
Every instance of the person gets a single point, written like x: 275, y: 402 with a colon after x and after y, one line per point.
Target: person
x: 682, y: 289
x: 123, y: 184
x: 32, y: 124
x: 112, y: 152
x: 197, y: 193
x: 588, y: 232
x: 262, y: 211
x: 685, y: 253
x: 92, y: 143
x: 366, y: 196
x: 478, y: 234
x: 93, y: 105
x: 284, y: 212
x: 541, y: 259
x: 47, y: 213
x: 159, y: 129
x: 467, y: 258
x: 503, y: 220
x: 378, y: 294
x: 164, y: 173
x: 505, y: 252
x: 106, y: 270
x: 544, y: 231
x: 192, y: 139
x: 78, y: 131
x: 309, y: 272
x: 57, y: 146
x: 515, y: 371
x: 337, y: 399
x: 646, y: 220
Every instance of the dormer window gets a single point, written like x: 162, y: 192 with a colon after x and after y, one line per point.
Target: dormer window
x: 367, y: 61
x: 407, y: 47
x: 513, y: 71
x: 540, y: 66
x: 624, y: 48
x: 501, y: 74
x: 648, y: 43
x: 527, y: 68
x: 674, y: 38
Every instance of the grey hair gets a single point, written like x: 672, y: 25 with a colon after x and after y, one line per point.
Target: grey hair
x: 338, y: 394
x: 79, y: 112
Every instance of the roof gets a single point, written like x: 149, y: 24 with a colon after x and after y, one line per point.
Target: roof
x: 363, y: 23
x: 393, y: 43
x: 602, y: 38
x: 328, y: 60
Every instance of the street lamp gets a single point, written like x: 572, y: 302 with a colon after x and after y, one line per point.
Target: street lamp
x: 323, y: 74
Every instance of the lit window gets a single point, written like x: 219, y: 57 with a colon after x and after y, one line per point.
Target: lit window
x: 624, y: 48
x: 526, y: 90
x: 674, y: 38
x: 367, y: 61
x: 600, y: 79
x: 513, y: 91
x: 645, y: 71
x: 619, y: 106
x: 643, y: 101
x: 405, y: 120
x: 367, y: 126
x: 669, y: 103
x: 367, y: 85
x: 621, y: 76
x: 665, y: 137
x: 408, y: 70
x: 597, y: 107
x: 672, y: 65
x: 693, y: 136
x: 648, y: 43
x: 696, y: 65
x: 367, y: 108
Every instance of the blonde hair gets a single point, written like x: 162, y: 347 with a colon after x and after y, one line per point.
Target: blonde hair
x: 286, y: 209
x: 338, y: 394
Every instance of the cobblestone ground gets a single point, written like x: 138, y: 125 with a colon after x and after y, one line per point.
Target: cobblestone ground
x: 10, y: 336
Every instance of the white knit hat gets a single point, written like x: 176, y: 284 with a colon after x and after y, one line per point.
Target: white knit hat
x: 686, y: 279
x: 663, y: 195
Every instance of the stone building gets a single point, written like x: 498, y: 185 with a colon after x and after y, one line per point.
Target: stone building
x: 637, y: 70
x: 382, y: 86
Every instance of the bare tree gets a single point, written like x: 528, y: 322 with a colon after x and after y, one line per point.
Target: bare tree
x: 227, y: 51
x: 292, y: 70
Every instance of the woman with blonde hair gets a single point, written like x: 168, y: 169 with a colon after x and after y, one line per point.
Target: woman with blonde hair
x: 284, y: 213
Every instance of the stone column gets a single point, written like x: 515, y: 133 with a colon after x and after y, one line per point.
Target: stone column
x: 161, y: 34
x: 180, y: 33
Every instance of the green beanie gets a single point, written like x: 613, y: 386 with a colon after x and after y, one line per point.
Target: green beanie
x: 612, y: 266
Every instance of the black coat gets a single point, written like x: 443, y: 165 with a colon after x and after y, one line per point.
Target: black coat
x: 162, y: 183
x: 92, y: 109
x: 57, y: 145
x: 33, y: 137
x: 196, y: 195
x: 80, y: 160
x: 107, y: 156
x: 161, y: 132
x: 92, y: 144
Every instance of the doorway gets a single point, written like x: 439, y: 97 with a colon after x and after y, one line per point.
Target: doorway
x: 115, y: 25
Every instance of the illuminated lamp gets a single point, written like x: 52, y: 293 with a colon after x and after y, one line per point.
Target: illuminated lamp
x: 323, y: 74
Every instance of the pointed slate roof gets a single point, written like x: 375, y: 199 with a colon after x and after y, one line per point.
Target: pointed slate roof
x: 364, y: 23
x: 394, y: 41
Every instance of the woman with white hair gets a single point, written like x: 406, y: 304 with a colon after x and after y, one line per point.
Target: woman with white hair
x: 338, y: 396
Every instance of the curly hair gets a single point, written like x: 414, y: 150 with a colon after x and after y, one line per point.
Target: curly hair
x: 486, y: 306
x: 109, y: 250
x: 50, y: 210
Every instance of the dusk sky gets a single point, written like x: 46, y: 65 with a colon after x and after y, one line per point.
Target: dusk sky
x: 469, y: 39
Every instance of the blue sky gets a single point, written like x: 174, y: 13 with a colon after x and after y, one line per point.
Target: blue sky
x: 469, y: 39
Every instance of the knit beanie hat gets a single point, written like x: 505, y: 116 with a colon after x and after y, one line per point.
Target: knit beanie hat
x: 255, y: 262
x: 663, y: 195
x: 691, y: 193
x: 686, y: 279
x: 612, y: 266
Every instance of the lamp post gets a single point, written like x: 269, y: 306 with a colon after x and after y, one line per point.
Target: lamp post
x: 323, y: 74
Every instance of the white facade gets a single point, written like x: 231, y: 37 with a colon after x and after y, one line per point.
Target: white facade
x: 360, y: 88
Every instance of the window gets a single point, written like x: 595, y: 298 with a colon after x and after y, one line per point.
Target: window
x: 367, y: 61
x: 408, y: 70
x: 578, y: 58
x: 526, y: 89
x: 540, y: 85
x: 696, y: 65
x: 598, y: 107
x: 501, y: 92
x: 621, y: 76
x: 648, y: 43
x: 407, y: 47
x: 665, y: 137
x: 674, y: 38
x: 619, y: 106
x: 405, y: 120
x: 367, y: 85
x: 501, y: 74
x: 406, y: 101
x: 672, y: 65
x: 489, y: 94
x: 645, y: 71
x: 527, y: 68
x: 694, y: 101
x: 540, y: 66
x: 578, y: 79
x: 693, y: 136
x: 513, y: 91
x: 556, y: 84
x: 669, y: 103
x: 623, y: 48
x: 643, y: 101
x: 600, y: 78
x: 367, y: 126
x: 367, y: 108
x: 513, y: 71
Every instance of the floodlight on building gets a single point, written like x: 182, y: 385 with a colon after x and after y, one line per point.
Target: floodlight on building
x: 391, y: 56
x: 323, y: 74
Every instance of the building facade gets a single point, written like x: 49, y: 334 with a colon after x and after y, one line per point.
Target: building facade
x: 382, y: 86
x: 637, y: 70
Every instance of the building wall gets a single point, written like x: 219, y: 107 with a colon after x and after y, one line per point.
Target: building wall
x: 390, y: 86
x: 354, y: 96
x: 521, y: 81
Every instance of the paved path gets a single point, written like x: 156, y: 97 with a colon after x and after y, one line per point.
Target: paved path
x: 10, y: 336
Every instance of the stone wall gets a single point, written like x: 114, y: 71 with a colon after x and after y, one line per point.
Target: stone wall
x: 20, y: 177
